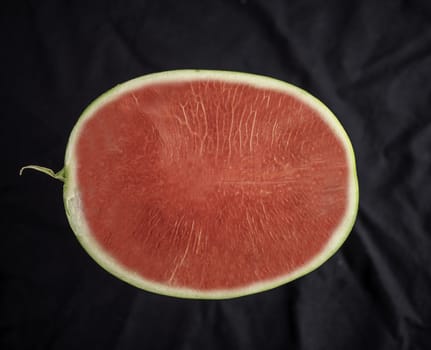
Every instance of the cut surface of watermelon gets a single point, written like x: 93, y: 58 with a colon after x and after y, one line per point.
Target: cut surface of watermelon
x: 209, y: 184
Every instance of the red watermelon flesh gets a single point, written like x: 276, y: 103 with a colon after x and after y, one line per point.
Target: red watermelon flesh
x: 210, y: 184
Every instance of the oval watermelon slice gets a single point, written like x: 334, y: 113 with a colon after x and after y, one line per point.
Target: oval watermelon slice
x: 209, y: 184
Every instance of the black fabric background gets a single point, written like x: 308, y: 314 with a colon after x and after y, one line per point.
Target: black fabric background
x: 369, y: 61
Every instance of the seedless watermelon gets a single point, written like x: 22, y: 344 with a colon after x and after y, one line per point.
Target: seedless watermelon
x: 208, y: 184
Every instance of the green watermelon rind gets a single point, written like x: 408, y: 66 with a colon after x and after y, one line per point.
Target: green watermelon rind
x: 76, y: 218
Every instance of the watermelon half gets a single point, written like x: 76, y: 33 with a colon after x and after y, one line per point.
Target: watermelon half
x: 209, y: 184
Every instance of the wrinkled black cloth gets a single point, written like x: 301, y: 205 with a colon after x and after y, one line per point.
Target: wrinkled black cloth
x: 369, y: 61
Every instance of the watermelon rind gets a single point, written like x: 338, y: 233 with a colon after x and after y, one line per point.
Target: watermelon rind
x: 76, y: 214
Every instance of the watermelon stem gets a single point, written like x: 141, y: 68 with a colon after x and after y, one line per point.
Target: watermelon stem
x: 59, y: 175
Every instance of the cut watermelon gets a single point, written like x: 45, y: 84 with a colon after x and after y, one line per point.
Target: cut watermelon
x: 209, y: 184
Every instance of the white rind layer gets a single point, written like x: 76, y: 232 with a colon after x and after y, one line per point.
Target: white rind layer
x: 80, y: 227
